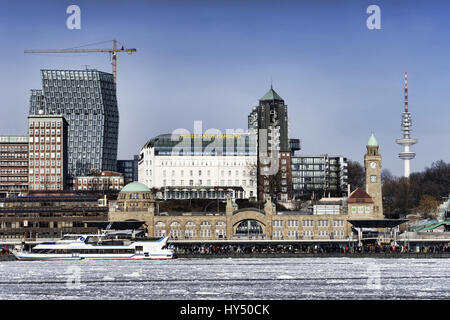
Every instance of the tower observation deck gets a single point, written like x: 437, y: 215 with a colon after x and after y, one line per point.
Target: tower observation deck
x: 406, y: 141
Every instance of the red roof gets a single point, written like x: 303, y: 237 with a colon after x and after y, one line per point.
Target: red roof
x: 359, y: 196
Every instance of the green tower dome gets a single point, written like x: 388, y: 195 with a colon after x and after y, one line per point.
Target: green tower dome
x: 271, y: 95
x: 135, y: 187
x: 372, y: 141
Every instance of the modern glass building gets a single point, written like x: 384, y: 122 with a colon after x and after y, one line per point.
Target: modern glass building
x: 87, y: 100
x: 129, y: 169
x: 321, y: 175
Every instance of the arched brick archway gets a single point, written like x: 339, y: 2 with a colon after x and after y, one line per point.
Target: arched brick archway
x: 239, y: 216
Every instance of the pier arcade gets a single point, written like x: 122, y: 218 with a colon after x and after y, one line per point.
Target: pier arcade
x: 136, y: 202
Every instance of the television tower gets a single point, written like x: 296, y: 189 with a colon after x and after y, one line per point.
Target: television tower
x: 406, y: 141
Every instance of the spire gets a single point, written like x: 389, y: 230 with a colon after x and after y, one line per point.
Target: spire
x: 372, y: 141
x: 406, y: 92
x: 271, y: 95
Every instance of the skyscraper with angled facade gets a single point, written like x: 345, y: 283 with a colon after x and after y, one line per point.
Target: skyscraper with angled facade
x: 87, y: 100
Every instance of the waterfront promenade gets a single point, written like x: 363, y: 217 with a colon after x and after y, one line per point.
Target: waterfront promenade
x: 323, y: 250
x: 381, y: 255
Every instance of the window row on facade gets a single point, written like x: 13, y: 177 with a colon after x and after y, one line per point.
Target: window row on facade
x: 42, y: 124
x: 307, y: 223
x: 13, y: 163
x: 200, y: 182
x: 307, y: 234
x: 13, y: 179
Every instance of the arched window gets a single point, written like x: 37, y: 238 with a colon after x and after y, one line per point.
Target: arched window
x: 160, y: 224
x: 190, y: 224
x: 175, y: 224
x: 205, y: 224
x: 220, y: 224
x: 249, y: 227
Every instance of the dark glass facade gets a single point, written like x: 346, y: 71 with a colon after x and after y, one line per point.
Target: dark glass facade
x: 87, y: 100
x: 129, y: 169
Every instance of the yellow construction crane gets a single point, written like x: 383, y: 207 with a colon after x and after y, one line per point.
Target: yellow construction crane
x: 112, y: 51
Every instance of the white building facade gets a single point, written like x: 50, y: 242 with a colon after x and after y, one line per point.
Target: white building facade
x: 210, y: 167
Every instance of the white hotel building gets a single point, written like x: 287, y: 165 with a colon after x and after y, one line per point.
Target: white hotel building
x: 200, y: 167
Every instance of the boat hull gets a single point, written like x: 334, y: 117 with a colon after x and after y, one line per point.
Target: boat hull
x: 35, y: 257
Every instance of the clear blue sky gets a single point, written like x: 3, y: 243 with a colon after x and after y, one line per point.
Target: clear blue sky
x: 212, y: 60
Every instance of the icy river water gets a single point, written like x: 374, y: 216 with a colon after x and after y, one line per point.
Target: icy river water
x: 227, y: 279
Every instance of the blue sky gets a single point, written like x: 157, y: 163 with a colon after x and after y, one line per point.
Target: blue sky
x: 212, y: 60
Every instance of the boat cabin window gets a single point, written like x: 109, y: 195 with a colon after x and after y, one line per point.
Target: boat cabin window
x: 92, y: 239
x: 70, y: 237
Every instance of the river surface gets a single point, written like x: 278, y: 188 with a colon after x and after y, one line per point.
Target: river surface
x: 227, y: 279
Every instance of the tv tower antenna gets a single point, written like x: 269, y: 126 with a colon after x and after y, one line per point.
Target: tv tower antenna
x: 406, y: 141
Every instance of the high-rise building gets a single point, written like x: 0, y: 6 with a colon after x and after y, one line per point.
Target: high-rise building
x: 270, y: 120
x: 47, y: 152
x: 13, y: 165
x: 87, y: 100
x: 406, y: 141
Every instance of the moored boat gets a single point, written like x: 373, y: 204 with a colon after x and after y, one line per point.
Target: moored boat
x: 109, y: 245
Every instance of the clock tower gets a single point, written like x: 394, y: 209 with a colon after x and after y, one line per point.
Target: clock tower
x: 372, y: 164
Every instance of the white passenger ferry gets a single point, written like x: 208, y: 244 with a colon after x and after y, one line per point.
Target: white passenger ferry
x: 110, y: 245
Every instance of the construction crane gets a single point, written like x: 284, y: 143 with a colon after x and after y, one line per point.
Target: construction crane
x: 112, y: 51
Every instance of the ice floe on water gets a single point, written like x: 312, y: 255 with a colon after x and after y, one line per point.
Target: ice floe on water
x: 135, y: 274
x: 228, y: 279
x: 285, y: 276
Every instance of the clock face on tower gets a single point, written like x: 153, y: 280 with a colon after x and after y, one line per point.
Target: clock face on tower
x: 373, y: 165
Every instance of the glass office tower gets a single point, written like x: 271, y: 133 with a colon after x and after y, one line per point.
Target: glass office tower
x: 129, y: 169
x: 87, y: 100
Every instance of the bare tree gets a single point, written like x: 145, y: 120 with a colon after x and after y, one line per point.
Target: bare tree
x: 356, y: 174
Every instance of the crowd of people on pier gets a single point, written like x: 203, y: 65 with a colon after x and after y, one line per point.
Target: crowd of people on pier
x: 213, y: 249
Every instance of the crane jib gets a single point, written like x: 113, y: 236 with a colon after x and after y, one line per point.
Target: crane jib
x: 113, y: 52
